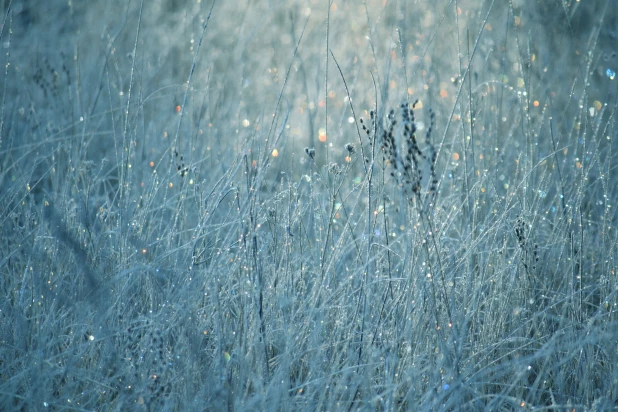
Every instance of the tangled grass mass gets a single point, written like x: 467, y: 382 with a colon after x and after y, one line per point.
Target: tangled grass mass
x: 308, y: 205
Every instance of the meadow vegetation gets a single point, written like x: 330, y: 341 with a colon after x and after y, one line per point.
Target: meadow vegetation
x: 308, y: 205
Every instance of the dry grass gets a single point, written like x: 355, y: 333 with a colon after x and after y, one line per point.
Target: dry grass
x: 194, y: 216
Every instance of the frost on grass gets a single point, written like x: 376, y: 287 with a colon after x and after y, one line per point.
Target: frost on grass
x: 408, y: 208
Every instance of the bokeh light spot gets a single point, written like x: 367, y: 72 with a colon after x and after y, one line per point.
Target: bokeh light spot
x: 322, y: 135
x: 597, y: 105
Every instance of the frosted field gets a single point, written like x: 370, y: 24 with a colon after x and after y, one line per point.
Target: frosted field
x: 308, y: 205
